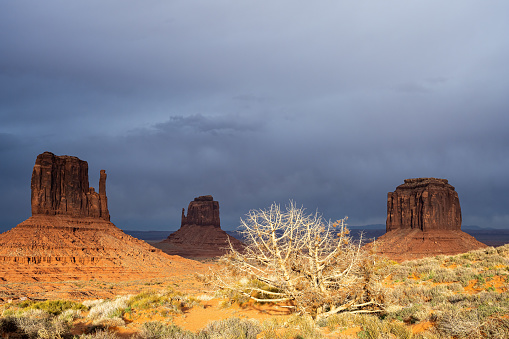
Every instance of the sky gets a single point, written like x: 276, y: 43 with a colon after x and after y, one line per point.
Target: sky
x: 330, y: 104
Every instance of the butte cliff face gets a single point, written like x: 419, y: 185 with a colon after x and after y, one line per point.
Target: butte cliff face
x: 425, y: 204
x: 69, y: 235
x: 423, y: 219
x: 60, y: 187
x: 203, y: 211
x: 200, y: 233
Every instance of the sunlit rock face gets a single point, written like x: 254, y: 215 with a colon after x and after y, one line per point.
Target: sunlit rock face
x: 423, y: 219
x: 60, y: 187
x: 69, y: 235
x: 425, y: 204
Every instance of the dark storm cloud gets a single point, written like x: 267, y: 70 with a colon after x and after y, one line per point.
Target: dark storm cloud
x: 330, y: 104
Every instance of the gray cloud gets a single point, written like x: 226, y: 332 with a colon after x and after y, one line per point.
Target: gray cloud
x: 329, y: 104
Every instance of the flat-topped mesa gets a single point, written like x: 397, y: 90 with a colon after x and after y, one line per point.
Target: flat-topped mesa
x: 203, y: 211
x: 423, y: 220
x: 425, y: 204
x: 60, y: 187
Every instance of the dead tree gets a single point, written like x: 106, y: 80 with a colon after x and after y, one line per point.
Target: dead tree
x: 312, y: 265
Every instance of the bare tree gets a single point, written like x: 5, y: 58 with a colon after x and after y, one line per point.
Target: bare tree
x: 302, y: 260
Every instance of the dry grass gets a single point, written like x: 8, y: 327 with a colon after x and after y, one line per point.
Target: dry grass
x: 462, y: 296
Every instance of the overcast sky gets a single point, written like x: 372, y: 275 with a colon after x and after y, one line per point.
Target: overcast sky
x: 329, y: 103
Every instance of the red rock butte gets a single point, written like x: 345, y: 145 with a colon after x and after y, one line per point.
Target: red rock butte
x: 69, y: 235
x: 203, y: 211
x: 200, y: 234
x: 423, y: 219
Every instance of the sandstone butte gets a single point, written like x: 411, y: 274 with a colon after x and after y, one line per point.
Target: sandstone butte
x: 423, y: 219
x: 200, y: 234
x: 69, y: 235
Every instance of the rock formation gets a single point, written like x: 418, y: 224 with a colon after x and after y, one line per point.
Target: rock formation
x: 69, y: 235
x: 203, y: 211
x: 423, y: 219
x: 200, y: 233
x: 60, y: 187
x: 425, y: 204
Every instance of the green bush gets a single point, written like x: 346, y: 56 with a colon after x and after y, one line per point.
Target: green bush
x: 55, y: 307
x: 173, y: 301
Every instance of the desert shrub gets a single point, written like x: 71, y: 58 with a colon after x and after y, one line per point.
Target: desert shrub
x: 304, y: 326
x: 231, y: 328
x: 461, y: 261
x: 400, y: 330
x: 482, y: 254
x: 373, y: 327
x: 490, y: 303
x: 464, y: 275
x: 503, y: 250
x: 70, y: 315
x: 400, y: 272
x: 439, y: 293
x: 8, y: 324
x: 495, y: 328
x: 145, y: 300
x: 102, y: 334
x: 425, y: 335
x: 172, y: 301
x: 495, y: 259
x: 458, y: 323
x: 457, y: 298
x: 109, y: 312
x: 428, y: 272
x: 158, y: 330
x: 294, y: 327
x: 411, y: 314
x: 56, y: 307
x: 444, y: 275
x: 91, y: 303
x: 407, y: 295
x: 455, y: 287
x: 273, y: 328
x: 41, y: 324
x: 425, y: 267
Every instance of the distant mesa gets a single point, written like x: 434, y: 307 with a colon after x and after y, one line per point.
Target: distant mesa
x: 424, y: 219
x: 69, y: 235
x: 200, y: 234
x: 203, y: 211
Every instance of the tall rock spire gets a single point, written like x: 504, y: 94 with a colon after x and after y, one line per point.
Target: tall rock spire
x: 105, y: 214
